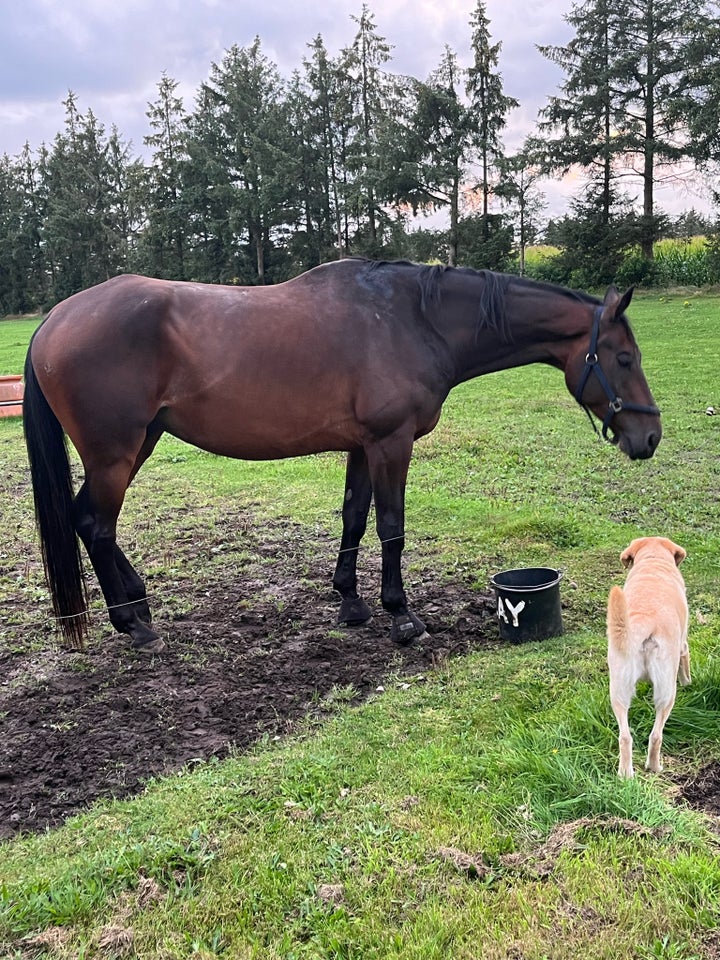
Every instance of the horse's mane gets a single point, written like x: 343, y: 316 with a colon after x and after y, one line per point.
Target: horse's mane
x: 491, y: 301
x: 491, y: 313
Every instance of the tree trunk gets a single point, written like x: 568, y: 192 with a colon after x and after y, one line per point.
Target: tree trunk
x: 649, y: 150
x: 454, y: 218
x: 260, y: 254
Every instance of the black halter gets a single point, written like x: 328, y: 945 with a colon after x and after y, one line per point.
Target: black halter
x: 592, y: 365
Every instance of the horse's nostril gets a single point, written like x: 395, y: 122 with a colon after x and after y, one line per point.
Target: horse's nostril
x: 653, y: 441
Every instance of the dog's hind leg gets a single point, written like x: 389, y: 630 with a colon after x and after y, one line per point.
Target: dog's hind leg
x: 625, y: 741
x: 663, y: 705
x: 684, y: 671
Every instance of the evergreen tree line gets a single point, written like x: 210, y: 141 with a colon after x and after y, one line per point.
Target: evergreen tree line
x: 268, y: 176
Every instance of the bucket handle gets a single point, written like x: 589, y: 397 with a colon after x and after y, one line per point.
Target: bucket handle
x: 559, y: 570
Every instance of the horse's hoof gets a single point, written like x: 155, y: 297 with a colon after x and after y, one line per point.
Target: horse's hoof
x: 354, y: 613
x: 406, y: 628
x: 152, y: 646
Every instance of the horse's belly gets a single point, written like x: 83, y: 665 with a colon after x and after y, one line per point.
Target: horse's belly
x: 262, y: 434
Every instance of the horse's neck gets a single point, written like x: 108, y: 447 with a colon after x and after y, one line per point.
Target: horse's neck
x: 542, y: 327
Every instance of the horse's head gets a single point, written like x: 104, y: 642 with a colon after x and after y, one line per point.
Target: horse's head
x: 606, y: 377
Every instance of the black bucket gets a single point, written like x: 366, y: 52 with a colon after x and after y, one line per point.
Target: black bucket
x: 528, y: 603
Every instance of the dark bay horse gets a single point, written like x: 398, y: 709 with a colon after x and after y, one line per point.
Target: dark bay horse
x: 354, y: 355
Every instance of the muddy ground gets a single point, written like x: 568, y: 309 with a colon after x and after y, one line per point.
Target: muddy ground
x: 78, y: 726
x: 252, y: 647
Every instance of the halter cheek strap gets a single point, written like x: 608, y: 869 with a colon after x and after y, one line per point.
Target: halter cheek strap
x: 592, y: 365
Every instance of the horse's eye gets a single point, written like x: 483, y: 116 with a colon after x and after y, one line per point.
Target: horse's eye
x: 625, y: 359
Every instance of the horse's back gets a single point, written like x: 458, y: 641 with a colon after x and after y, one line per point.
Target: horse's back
x: 253, y: 372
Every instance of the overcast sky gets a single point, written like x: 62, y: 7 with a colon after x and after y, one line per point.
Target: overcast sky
x: 112, y: 53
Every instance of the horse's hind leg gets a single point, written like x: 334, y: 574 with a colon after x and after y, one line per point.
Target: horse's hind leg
x: 98, y: 505
x: 134, y: 584
x: 358, y: 493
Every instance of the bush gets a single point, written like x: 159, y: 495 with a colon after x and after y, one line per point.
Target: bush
x: 545, y: 263
x: 636, y: 270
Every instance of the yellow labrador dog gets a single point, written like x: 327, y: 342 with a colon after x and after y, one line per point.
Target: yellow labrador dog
x: 647, y: 627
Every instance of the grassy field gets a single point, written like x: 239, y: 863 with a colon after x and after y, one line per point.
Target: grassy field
x: 476, y: 814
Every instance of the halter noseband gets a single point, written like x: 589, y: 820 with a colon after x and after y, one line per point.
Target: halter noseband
x: 592, y: 365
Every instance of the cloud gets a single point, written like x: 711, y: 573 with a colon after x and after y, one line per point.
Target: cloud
x: 112, y: 53
x: 108, y: 52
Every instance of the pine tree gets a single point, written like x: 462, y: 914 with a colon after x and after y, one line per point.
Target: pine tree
x: 164, y: 235
x: 425, y: 147
x: 23, y: 277
x: 82, y: 231
x: 329, y: 117
x: 363, y: 64
x: 488, y: 106
x: 627, y: 70
x: 699, y: 105
x: 518, y: 189
x: 241, y: 148
x: 582, y: 115
x: 657, y: 41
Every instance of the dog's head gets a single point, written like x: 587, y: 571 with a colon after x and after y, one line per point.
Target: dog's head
x: 652, y: 546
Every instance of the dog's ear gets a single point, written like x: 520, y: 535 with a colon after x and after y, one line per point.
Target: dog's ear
x: 628, y: 556
x: 677, y: 552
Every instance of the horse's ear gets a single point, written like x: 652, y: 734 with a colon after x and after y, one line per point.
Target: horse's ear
x: 624, y: 302
x: 612, y: 296
x: 618, y: 304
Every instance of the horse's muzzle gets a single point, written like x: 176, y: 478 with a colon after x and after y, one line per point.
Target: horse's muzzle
x: 638, y: 448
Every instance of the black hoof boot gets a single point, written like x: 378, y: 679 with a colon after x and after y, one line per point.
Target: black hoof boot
x: 406, y: 628
x: 354, y: 612
x: 147, y: 641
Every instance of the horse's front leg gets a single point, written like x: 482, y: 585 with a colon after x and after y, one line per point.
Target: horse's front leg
x: 389, y: 462
x: 356, y: 504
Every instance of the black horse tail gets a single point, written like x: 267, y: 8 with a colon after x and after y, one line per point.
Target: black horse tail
x: 54, y: 512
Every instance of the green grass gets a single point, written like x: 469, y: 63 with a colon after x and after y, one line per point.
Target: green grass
x: 14, y: 338
x: 344, y: 841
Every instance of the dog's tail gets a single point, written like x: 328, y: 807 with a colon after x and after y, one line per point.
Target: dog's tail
x: 617, y: 619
